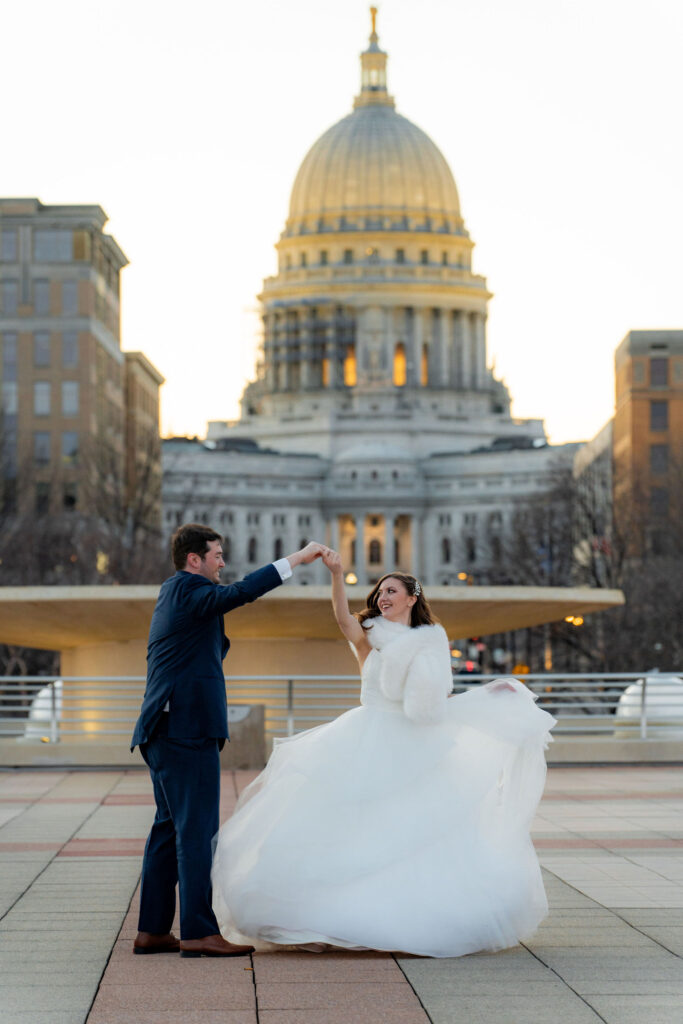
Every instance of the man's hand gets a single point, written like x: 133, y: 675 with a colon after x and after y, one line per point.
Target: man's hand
x: 306, y: 555
x: 332, y: 560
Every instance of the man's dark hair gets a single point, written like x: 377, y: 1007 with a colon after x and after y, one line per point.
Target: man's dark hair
x: 191, y: 539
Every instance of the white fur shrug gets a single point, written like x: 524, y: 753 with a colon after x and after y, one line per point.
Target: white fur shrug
x: 415, y: 667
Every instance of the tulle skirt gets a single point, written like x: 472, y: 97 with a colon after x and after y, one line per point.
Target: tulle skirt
x: 374, y: 832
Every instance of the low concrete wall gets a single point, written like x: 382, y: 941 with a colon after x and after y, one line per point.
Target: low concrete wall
x: 246, y: 749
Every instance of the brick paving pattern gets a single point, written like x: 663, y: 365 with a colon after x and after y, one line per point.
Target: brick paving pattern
x: 611, y: 950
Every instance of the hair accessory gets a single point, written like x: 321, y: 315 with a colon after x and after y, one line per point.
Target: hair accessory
x: 417, y: 589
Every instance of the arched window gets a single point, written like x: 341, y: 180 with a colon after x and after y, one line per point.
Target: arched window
x: 350, y: 372
x: 375, y: 552
x: 424, y: 366
x: 400, y: 365
x: 252, y: 550
x: 277, y: 549
x: 445, y: 550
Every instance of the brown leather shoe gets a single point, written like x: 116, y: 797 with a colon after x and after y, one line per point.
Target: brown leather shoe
x: 212, y: 945
x: 145, y: 942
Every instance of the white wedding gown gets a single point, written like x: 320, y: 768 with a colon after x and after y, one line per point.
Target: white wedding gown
x: 377, y: 832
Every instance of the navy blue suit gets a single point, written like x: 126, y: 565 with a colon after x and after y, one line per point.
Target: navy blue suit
x: 181, y: 746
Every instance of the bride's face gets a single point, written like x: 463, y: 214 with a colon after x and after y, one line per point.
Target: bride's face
x: 394, y: 601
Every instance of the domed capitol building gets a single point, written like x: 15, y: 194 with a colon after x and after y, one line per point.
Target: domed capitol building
x: 374, y: 422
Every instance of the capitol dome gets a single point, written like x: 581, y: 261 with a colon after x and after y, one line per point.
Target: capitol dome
x: 374, y: 162
x: 374, y: 169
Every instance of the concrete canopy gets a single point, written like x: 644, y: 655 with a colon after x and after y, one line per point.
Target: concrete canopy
x: 62, y: 618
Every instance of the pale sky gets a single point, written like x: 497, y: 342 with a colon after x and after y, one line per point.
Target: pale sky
x: 561, y: 121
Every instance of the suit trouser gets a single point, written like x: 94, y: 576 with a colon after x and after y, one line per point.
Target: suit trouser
x: 179, y: 849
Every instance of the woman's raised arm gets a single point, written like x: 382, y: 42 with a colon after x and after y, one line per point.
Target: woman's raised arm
x: 350, y: 626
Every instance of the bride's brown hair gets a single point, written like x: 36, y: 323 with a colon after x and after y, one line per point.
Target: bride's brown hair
x: 420, y: 614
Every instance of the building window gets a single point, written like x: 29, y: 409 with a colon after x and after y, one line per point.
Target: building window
x: 350, y: 369
x: 445, y: 550
x: 277, y: 549
x: 70, y: 398
x: 659, y: 501
x: 41, y: 348
x: 41, y: 298
x: 42, y: 498
x: 303, y: 542
x: 9, y: 401
x: 41, y: 398
x: 9, y: 356
x: 397, y: 551
x: 252, y: 550
x: 323, y: 258
x: 471, y: 548
x: 496, y: 550
x: 303, y: 259
x: 659, y: 415
x: 659, y: 458
x: 400, y: 366
x: 348, y: 256
x: 8, y: 246
x: 374, y: 552
x: 70, y: 349
x: 41, y: 447
x: 52, y: 245
x: 253, y: 519
x: 424, y: 257
x: 400, y: 255
x: 10, y: 297
x: 372, y: 254
x: 69, y: 298
x: 69, y: 446
x: 69, y: 495
x: 659, y: 373
x: 444, y: 259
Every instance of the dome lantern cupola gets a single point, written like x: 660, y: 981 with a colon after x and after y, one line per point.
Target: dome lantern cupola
x: 373, y: 91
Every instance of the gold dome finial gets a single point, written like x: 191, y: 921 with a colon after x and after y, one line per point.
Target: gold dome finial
x: 373, y: 61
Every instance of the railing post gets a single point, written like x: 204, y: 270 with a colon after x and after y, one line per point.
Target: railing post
x: 54, y: 726
x: 643, y: 710
x: 290, y: 707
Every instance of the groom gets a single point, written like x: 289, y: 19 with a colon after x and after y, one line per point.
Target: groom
x: 182, y: 727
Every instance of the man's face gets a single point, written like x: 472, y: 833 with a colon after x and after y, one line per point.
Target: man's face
x: 211, y: 564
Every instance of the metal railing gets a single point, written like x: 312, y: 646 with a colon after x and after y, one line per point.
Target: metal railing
x: 49, y: 708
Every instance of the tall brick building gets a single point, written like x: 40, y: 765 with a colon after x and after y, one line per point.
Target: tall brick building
x: 80, y: 417
x: 648, y: 432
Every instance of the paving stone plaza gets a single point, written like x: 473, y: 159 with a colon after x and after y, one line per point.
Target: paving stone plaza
x: 611, y: 950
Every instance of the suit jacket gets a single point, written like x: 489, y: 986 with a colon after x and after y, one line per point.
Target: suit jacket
x: 186, y: 650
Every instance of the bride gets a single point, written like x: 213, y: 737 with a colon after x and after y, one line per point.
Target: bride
x: 403, y: 824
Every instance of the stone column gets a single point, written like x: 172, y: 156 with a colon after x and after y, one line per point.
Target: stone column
x: 269, y: 350
x: 417, y: 343
x: 441, y: 337
x: 480, y: 336
x: 466, y: 350
x: 305, y: 352
x: 474, y: 345
x: 415, y: 542
x: 388, y: 542
x: 332, y: 532
x: 361, y: 570
x: 265, y: 534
